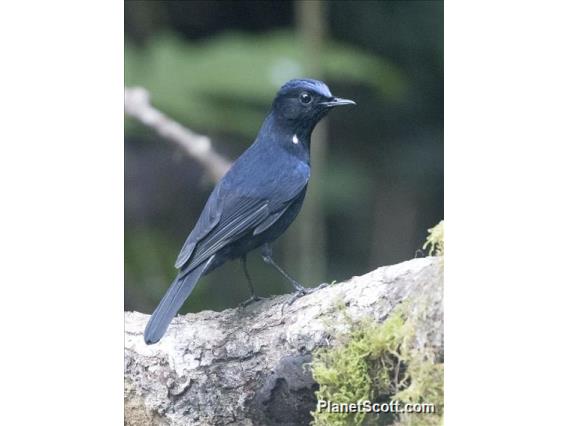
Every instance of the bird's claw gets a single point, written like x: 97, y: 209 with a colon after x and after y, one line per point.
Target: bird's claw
x: 319, y: 287
x: 302, y: 291
x: 295, y: 297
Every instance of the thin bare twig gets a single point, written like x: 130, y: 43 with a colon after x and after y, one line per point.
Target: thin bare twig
x: 137, y: 105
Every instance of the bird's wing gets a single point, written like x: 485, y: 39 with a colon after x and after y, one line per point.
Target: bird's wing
x: 243, y: 215
x: 230, y: 213
x: 228, y: 231
x: 222, y: 222
x: 210, y: 217
x: 277, y: 212
x: 269, y: 221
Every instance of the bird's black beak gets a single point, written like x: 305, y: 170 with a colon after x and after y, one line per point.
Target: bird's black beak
x: 333, y: 102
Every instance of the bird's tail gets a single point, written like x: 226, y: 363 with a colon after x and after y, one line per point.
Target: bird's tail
x: 171, y: 303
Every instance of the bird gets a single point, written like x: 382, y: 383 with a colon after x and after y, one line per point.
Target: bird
x: 255, y: 201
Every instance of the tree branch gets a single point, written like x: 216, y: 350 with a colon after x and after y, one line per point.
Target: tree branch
x: 247, y: 366
x: 137, y: 105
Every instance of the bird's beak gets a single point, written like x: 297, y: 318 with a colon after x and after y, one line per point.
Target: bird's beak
x: 337, y: 102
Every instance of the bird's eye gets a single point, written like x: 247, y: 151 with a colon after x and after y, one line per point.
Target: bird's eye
x: 305, y: 98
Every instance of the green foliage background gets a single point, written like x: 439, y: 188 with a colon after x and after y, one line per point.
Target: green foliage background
x: 232, y: 77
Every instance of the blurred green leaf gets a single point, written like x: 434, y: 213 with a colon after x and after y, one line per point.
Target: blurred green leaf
x: 224, y: 83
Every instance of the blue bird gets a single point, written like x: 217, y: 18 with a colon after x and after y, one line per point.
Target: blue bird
x: 256, y: 201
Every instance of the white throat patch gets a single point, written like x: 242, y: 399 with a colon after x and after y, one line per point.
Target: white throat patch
x: 295, y: 140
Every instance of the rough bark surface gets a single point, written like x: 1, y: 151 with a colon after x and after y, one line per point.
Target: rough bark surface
x: 247, y: 366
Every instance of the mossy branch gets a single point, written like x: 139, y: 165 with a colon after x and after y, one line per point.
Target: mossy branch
x: 254, y: 365
x: 435, y: 240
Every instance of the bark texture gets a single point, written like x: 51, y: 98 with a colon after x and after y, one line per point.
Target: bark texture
x: 247, y: 366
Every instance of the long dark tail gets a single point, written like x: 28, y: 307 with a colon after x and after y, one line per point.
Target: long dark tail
x: 171, y: 303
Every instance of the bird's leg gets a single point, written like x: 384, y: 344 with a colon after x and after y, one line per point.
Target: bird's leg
x: 300, y: 290
x: 249, y: 280
x: 267, y: 257
x: 253, y: 297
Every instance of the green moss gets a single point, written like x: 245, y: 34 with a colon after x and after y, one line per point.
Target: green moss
x: 377, y: 362
x: 435, y: 240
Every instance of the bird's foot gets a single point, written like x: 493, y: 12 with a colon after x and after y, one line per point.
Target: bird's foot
x: 302, y: 291
x: 319, y: 287
x: 295, y: 297
x: 252, y: 299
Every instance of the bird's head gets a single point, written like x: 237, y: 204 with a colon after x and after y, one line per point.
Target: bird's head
x: 304, y: 102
